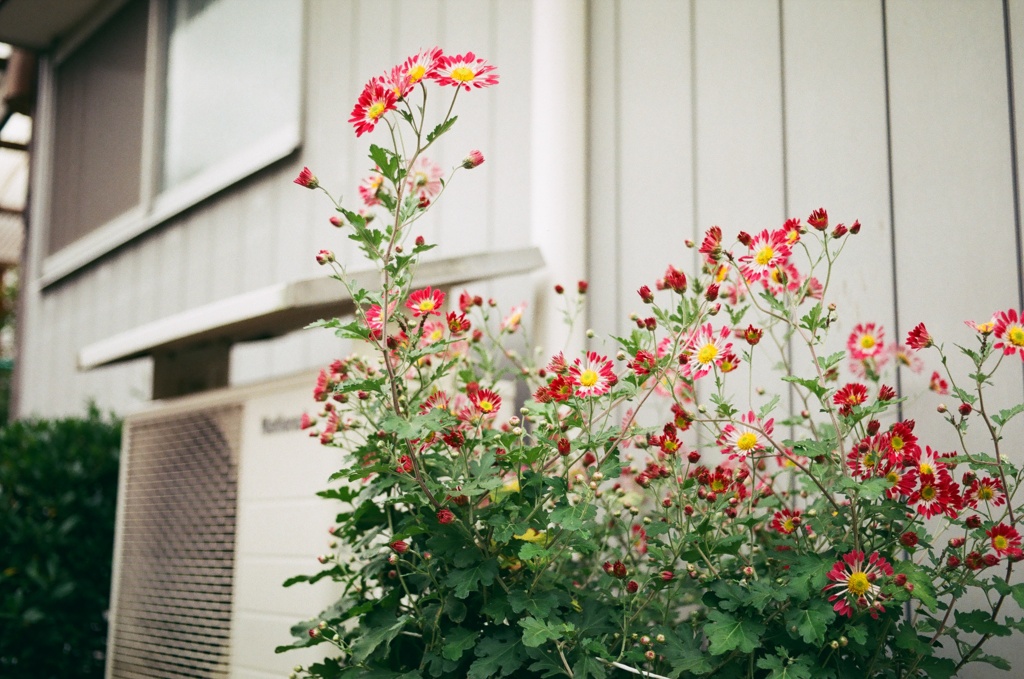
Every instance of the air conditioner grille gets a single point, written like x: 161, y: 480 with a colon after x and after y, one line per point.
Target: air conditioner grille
x: 177, y: 548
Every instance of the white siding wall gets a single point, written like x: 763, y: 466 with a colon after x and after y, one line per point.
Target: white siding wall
x: 266, y: 230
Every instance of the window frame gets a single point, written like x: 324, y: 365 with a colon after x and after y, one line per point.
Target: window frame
x: 154, y: 207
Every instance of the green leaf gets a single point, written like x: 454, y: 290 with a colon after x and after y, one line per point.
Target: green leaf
x: 497, y: 656
x: 726, y: 633
x: 812, y: 623
x: 536, y: 633
x: 994, y: 661
x: 826, y: 362
x: 924, y: 588
x: 573, y: 518
x: 682, y: 651
x: 458, y: 641
x: 466, y: 580
x: 981, y: 622
x: 370, y: 638
x: 767, y: 408
x: 588, y: 666
x: 810, y: 385
x: 530, y: 550
x: 441, y: 129
x: 1004, y: 416
x: 784, y: 667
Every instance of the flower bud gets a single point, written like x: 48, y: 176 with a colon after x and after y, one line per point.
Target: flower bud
x: 474, y: 159
x: 324, y: 257
x: 632, y: 586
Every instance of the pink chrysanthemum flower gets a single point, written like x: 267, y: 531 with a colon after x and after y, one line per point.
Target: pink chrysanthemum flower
x: 711, y: 246
x: 938, y: 384
x: 747, y: 437
x: 465, y: 71
x: 866, y: 341
x: 514, y: 319
x: 376, y: 100
x: 307, y: 179
x: 406, y: 75
x: 1009, y: 332
x: 433, y: 332
x: 425, y: 302
x: 705, y: 350
x: 592, y: 377
x: 424, y: 179
x: 374, y: 318
x: 1005, y: 540
x: 985, y: 328
x: 437, y: 400
x: 793, y: 229
x: 485, y: 401
x: 370, y: 187
x: 908, y: 360
x: 472, y: 160
x: 768, y: 250
x: 855, y: 583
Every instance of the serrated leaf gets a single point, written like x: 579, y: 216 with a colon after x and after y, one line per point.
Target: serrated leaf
x: 1004, y: 416
x: 924, y: 588
x: 726, y: 633
x: 768, y: 407
x: 812, y: 622
x: 587, y: 667
x: 808, y: 384
x: 537, y: 633
x: 981, y: 622
x: 466, y: 580
x: 372, y: 637
x: 458, y: 641
x: 441, y: 129
x: 497, y: 656
x: 573, y: 518
x: 784, y: 667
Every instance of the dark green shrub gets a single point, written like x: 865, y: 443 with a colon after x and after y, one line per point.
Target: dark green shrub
x: 58, y: 488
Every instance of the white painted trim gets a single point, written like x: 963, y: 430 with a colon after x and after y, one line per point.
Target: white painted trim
x: 278, y: 309
x: 558, y: 141
x: 134, y: 223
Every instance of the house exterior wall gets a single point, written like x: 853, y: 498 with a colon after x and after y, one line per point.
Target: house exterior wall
x: 265, y: 230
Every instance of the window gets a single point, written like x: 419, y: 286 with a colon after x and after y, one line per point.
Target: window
x: 168, y: 102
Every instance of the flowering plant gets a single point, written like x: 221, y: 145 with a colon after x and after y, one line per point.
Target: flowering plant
x: 638, y: 515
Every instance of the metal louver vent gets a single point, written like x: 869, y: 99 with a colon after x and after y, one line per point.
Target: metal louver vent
x: 172, y: 608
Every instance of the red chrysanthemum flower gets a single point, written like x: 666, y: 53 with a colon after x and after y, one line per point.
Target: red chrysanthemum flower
x: 1009, y: 332
x: 785, y: 521
x: 768, y: 250
x: 425, y: 302
x: 465, y: 71
x: 902, y: 442
x: 375, y: 100
x: 936, y: 494
x: 705, y: 351
x: 793, y: 230
x: 853, y: 394
x: 711, y: 246
x: 986, y: 490
x: 1005, y: 540
x: 866, y: 341
x: 457, y: 322
x: 819, y: 219
x: 866, y: 458
x: 445, y: 516
x: 559, y: 389
x: 485, y: 401
x: 307, y: 179
x: 938, y: 385
x: 643, y: 363
x: 747, y: 437
x: 855, y: 583
x: 593, y: 377
x: 919, y: 338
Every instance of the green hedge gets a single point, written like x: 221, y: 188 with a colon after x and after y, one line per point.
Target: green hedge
x: 58, y: 488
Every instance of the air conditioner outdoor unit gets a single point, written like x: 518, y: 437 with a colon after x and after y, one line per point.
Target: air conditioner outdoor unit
x: 217, y: 508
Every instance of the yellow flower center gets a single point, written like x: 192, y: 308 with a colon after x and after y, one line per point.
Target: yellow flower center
x: 867, y: 341
x: 858, y: 583
x: 985, y: 328
x: 896, y: 442
x: 718, y: 485
x: 869, y: 460
x: 463, y: 74
x: 375, y: 111
x: 893, y: 478
x: 426, y: 305
x: 722, y: 272
x: 416, y: 73
x: 1000, y: 542
x: 787, y: 526
x: 747, y: 441
x: 764, y: 255
x: 928, y: 493
x: 926, y: 468
x: 707, y: 353
x: 1015, y: 335
x: 985, y: 493
x: 588, y: 378
x: 486, y: 405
